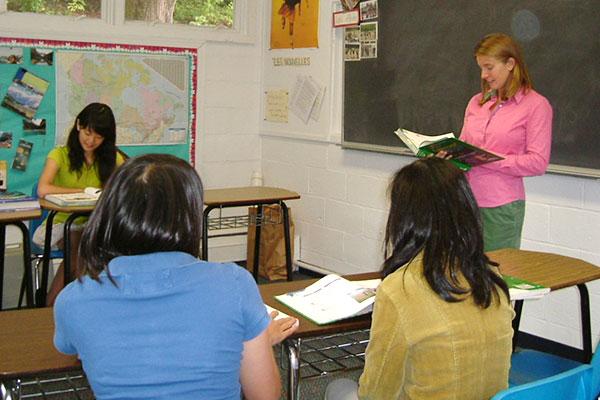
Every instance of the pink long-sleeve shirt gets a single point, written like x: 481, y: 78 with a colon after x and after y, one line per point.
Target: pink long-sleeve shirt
x: 520, y: 130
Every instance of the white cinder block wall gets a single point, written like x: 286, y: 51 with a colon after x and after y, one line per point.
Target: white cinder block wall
x: 342, y: 213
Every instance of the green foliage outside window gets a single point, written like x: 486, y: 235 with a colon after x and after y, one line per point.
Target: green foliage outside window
x: 186, y: 12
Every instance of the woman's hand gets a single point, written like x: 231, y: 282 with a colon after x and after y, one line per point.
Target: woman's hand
x: 442, y: 154
x: 282, y: 328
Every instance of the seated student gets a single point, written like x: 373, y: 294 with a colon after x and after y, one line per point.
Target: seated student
x: 148, y: 320
x: 442, y: 318
x: 88, y: 160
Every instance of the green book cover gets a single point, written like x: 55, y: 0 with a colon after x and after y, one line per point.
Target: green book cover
x: 521, y: 289
x: 464, y: 155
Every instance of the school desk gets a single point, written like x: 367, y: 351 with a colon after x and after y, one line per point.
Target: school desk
x: 257, y: 196
x: 556, y: 272
x: 53, y: 209
x: 16, y: 218
x: 551, y: 270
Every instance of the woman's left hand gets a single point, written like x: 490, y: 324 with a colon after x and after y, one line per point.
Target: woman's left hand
x: 282, y: 328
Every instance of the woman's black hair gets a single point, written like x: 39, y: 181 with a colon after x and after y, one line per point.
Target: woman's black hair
x: 100, y: 119
x: 152, y: 203
x: 433, y: 211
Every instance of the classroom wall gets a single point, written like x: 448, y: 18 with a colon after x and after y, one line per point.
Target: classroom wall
x: 342, y: 213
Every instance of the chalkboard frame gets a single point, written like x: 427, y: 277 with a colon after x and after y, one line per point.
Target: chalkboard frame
x: 360, y: 77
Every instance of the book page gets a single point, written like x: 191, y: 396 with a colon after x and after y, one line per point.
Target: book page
x: 330, y: 299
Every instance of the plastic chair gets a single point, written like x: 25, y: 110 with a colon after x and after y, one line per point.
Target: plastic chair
x: 574, y: 384
x: 37, y: 252
x: 531, y: 365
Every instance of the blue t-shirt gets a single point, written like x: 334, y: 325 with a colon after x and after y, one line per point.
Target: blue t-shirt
x: 173, y: 328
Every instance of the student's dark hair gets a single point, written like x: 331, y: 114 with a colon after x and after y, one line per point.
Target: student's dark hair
x: 433, y: 211
x: 100, y: 119
x: 152, y: 203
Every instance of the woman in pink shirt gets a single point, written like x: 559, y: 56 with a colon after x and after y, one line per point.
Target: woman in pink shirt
x: 511, y: 119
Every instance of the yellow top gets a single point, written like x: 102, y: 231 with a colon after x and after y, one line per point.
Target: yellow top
x: 423, y: 347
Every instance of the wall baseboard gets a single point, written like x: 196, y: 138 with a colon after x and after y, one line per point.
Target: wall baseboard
x: 529, y: 341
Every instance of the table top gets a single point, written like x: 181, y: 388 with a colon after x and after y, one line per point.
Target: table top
x: 26, y: 345
x: 48, y: 205
x: 11, y: 216
x: 551, y: 270
x: 308, y: 328
x: 247, y: 195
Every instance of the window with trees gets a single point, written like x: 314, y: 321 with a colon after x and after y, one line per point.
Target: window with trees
x: 214, y: 13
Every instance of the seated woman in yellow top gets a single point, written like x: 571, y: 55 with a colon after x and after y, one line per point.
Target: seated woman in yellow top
x: 442, y: 318
x: 88, y: 160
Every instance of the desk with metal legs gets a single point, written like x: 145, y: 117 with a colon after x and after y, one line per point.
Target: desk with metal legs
x: 247, y: 196
x: 53, y: 209
x: 556, y: 272
x: 16, y: 218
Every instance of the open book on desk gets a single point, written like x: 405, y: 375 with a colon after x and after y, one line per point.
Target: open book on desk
x: 463, y: 154
x: 520, y: 289
x: 332, y: 298
x: 89, y: 197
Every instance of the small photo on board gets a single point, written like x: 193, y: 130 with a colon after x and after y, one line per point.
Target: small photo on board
x: 42, y: 56
x: 6, y: 140
x: 368, y: 50
x: 368, y: 10
x: 34, y: 126
x: 22, y: 155
x: 352, y: 34
x: 368, y: 32
x: 352, y: 52
x: 25, y: 93
x: 349, y: 4
x: 11, y: 55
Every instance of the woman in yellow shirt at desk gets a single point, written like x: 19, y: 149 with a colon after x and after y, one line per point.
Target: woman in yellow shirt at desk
x: 441, y: 324
x: 88, y: 160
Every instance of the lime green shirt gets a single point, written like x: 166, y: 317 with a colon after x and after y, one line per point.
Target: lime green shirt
x: 66, y: 178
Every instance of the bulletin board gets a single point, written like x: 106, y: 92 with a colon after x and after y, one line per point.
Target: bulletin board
x: 44, y: 84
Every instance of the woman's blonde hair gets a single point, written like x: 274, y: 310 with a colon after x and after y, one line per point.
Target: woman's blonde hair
x: 502, y: 47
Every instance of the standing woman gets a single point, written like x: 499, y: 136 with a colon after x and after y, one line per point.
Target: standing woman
x: 511, y: 119
x: 88, y: 160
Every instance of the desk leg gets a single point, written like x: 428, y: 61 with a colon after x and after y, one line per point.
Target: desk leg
x: 292, y: 348
x: 257, y: 230
x: 586, y: 326
x: 26, y: 262
x: 288, y: 241
x: 2, y: 254
x: 205, y: 232
x: 43, y: 289
x: 516, y: 321
x: 67, y: 244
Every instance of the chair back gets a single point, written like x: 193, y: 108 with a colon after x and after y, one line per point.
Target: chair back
x: 595, y: 363
x: 574, y: 384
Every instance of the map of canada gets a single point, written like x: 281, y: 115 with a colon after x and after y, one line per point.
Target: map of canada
x: 149, y: 94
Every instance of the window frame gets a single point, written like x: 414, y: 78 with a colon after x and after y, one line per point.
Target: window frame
x: 112, y: 27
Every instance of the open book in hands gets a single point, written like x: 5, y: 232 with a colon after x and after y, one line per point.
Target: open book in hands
x: 463, y: 154
x: 332, y: 298
x: 89, y: 197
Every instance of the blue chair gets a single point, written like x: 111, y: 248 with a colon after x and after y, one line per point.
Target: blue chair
x: 531, y: 365
x: 574, y: 384
x: 37, y: 253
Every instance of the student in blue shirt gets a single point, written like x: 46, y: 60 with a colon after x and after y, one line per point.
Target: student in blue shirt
x: 148, y: 319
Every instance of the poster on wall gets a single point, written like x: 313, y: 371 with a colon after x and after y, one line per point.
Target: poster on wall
x: 294, y: 24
